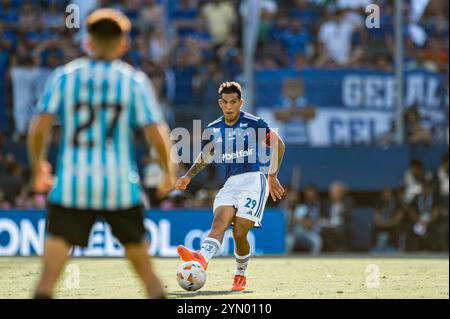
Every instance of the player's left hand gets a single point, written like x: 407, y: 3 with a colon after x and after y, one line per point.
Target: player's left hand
x: 42, y: 177
x: 275, y: 188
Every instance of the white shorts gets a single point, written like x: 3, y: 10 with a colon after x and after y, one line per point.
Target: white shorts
x: 248, y: 193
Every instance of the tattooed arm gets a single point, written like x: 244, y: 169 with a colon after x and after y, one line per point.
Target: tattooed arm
x: 203, y: 159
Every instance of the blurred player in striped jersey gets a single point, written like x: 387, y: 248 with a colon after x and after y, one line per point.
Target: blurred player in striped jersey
x: 98, y: 101
x: 238, y: 140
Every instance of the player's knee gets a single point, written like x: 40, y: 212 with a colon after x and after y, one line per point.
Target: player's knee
x: 240, y: 233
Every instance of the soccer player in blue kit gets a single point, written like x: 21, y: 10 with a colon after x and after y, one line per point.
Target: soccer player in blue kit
x: 238, y: 140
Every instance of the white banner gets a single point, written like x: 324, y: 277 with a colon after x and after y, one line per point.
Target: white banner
x: 333, y: 126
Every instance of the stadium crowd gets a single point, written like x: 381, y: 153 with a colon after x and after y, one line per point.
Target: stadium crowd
x: 412, y: 217
x: 188, y: 47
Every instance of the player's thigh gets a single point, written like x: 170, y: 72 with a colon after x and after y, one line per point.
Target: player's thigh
x: 72, y: 225
x: 127, y: 225
x: 223, y: 216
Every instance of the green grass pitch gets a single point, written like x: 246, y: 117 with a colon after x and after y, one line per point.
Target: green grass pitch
x: 361, y: 276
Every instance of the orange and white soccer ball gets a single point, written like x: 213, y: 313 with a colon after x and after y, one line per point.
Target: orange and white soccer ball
x: 191, y: 276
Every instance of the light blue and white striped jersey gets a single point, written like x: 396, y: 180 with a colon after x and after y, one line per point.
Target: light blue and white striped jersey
x: 98, y: 104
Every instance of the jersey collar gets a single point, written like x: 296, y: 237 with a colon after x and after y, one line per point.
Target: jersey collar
x: 236, y: 123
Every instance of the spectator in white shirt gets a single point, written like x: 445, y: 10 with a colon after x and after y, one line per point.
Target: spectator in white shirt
x: 23, y: 75
x: 220, y: 17
x: 413, y: 179
x: 335, y: 41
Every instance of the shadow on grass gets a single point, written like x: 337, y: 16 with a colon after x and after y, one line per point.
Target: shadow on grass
x: 187, y: 294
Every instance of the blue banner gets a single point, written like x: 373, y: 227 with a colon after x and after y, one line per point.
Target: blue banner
x: 352, y: 88
x: 22, y: 233
x: 353, y: 107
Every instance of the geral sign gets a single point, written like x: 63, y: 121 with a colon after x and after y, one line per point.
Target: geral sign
x: 24, y: 239
x: 377, y: 92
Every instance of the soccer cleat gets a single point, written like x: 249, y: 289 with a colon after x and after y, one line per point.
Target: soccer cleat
x: 189, y: 255
x: 239, y: 283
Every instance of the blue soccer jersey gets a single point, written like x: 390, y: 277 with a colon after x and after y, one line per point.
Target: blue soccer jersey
x: 98, y: 105
x: 240, y: 147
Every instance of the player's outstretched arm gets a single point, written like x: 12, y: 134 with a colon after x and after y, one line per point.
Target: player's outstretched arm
x: 37, y: 142
x: 158, y: 136
x: 277, y: 144
x: 199, y: 164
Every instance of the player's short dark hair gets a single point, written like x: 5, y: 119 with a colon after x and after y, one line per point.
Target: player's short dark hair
x: 107, y: 24
x: 230, y: 87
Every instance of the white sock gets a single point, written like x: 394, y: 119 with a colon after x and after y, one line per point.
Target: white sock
x: 209, y: 247
x: 241, y: 264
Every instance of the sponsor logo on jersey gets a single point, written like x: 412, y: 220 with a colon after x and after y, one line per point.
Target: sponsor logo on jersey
x: 242, y: 153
